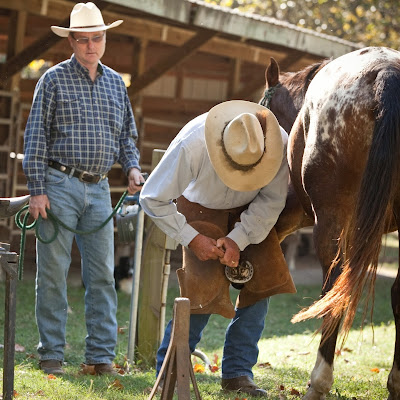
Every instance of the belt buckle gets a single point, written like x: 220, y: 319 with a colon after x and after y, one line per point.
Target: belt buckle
x: 87, y: 177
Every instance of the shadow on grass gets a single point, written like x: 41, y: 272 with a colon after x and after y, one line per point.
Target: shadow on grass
x: 283, y: 307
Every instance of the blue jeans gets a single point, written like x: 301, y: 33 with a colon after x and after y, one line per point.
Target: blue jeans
x: 241, y: 339
x: 81, y: 206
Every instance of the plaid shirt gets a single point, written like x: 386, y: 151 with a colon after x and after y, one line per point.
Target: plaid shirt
x: 79, y: 123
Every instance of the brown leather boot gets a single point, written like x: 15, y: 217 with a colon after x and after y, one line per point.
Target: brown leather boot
x: 51, y: 367
x: 105, y: 369
x: 243, y: 384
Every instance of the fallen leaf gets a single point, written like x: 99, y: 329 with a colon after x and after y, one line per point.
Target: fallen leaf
x: 122, y: 330
x: 120, y: 369
x: 87, y: 369
x: 294, y: 392
x: 215, y: 360
x: 148, y: 389
x: 198, y: 368
x: 39, y: 393
x: 214, y: 368
x: 303, y: 353
x: 50, y: 377
x: 348, y: 350
x: 376, y: 370
x: 116, y: 384
x: 281, y: 387
x: 265, y: 365
x: 19, y: 348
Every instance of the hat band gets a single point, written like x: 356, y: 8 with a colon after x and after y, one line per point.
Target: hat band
x: 87, y: 26
x: 233, y: 163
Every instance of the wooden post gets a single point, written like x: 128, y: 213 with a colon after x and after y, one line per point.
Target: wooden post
x: 177, y: 370
x: 234, y: 78
x: 154, y: 252
x: 9, y: 263
x: 15, y: 43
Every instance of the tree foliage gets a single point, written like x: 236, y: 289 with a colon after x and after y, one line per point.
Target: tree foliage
x: 371, y: 22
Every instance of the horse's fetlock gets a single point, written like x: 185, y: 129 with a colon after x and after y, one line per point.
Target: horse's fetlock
x: 393, y: 383
x: 321, y: 386
x: 313, y: 394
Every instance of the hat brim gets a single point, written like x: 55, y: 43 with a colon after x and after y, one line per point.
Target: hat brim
x: 64, y: 32
x: 263, y: 172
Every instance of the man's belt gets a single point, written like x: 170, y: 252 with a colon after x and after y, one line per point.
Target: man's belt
x: 83, y: 176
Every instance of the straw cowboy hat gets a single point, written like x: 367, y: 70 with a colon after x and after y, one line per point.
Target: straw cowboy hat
x: 85, y: 17
x: 244, y: 156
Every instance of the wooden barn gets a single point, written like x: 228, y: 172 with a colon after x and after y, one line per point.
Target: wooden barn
x: 178, y: 59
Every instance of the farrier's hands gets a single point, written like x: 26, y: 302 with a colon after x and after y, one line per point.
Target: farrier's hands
x: 231, y: 251
x: 38, y: 205
x: 135, y: 179
x: 205, y: 248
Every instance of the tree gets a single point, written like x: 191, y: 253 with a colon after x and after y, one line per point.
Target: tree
x: 371, y: 22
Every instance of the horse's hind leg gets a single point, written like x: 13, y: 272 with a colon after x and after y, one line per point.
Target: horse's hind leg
x: 393, y: 383
x: 322, y: 375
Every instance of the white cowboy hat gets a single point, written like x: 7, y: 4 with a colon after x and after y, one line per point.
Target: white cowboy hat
x: 85, y: 17
x: 244, y: 156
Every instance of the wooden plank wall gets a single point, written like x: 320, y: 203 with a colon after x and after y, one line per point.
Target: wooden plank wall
x: 199, y: 69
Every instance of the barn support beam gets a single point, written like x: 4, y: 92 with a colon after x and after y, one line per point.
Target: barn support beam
x: 174, y: 58
x: 234, y: 78
x: 138, y: 68
x: 28, y: 54
x: 16, y: 33
x: 258, y: 82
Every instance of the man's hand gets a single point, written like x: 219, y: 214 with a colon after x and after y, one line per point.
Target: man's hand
x: 231, y: 252
x: 38, y: 205
x: 135, y: 181
x: 205, y: 248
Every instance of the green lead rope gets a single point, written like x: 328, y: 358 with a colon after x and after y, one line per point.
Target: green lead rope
x: 56, y: 223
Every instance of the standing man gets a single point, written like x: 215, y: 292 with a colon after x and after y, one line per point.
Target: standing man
x: 228, y: 171
x: 81, y: 123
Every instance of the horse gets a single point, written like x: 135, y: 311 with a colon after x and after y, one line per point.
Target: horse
x: 343, y: 116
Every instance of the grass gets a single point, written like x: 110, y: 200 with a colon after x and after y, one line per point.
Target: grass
x: 287, y: 352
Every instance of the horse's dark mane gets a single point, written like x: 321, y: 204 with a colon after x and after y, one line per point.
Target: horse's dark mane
x: 298, y: 82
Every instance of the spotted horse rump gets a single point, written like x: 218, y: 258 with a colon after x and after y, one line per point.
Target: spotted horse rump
x: 343, y: 116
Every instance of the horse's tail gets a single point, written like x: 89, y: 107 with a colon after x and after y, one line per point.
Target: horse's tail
x: 360, y: 246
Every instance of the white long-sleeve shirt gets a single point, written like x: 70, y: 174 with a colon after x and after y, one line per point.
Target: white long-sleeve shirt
x: 185, y: 169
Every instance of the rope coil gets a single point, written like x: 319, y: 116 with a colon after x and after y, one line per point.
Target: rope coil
x: 56, y: 224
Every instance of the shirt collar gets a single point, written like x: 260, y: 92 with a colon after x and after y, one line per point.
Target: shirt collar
x: 83, y: 70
